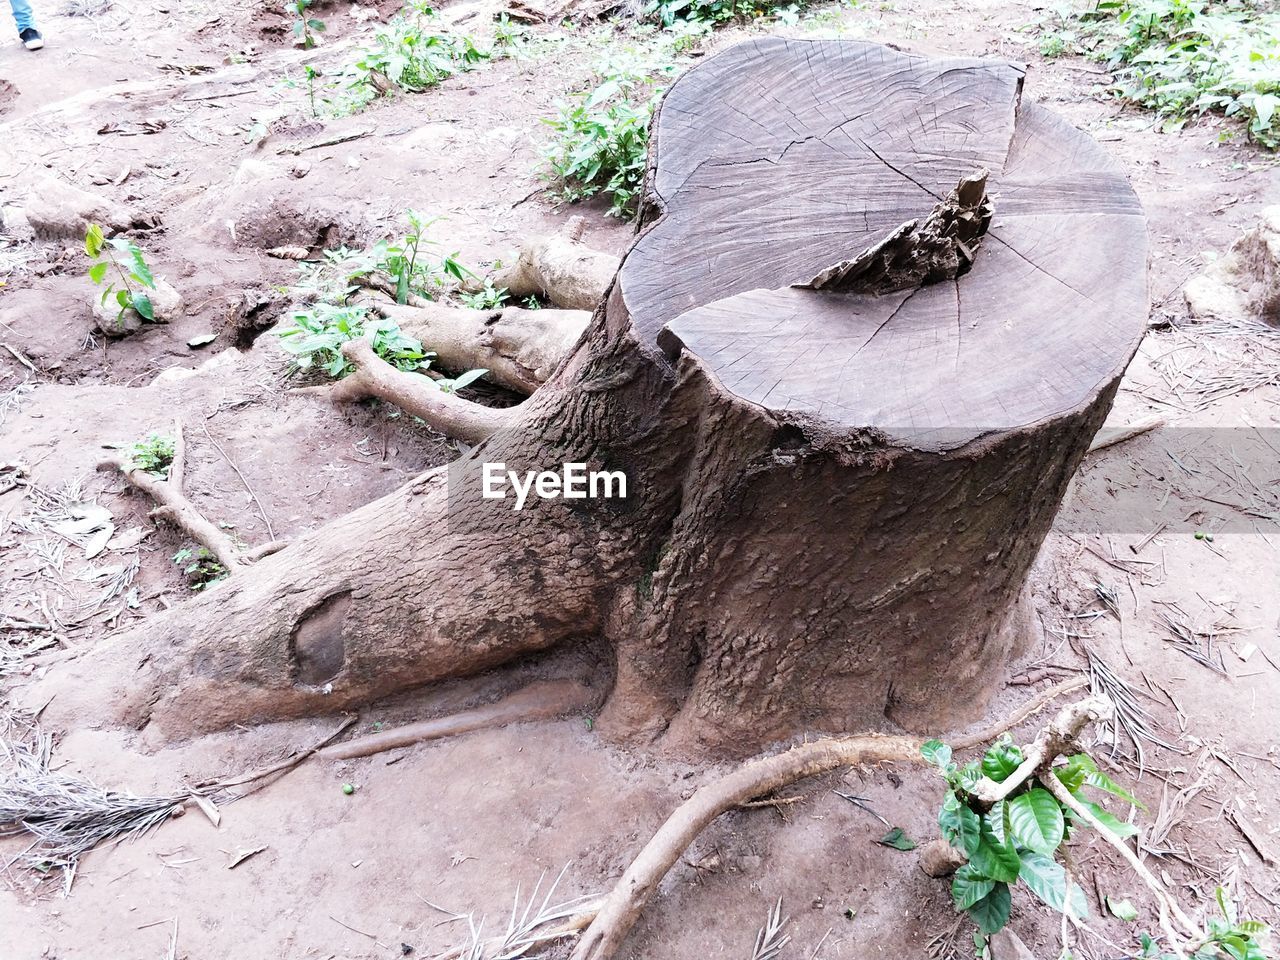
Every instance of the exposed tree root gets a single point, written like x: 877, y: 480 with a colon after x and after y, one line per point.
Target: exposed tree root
x: 542, y: 700
x: 412, y: 393
x: 757, y: 778
x: 560, y: 268
x: 520, y: 348
x: 1057, y: 738
x: 1168, y: 906
x: 182, y: 513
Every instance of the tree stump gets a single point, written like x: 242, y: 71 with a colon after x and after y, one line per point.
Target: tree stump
x: 877, y: 311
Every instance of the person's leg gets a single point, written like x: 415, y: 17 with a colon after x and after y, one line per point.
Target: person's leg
x: 22, y: 14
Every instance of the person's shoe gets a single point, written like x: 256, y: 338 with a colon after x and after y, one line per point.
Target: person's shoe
x: 31, y: 38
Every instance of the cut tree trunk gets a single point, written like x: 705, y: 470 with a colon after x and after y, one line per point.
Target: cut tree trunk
x: 878, y: 313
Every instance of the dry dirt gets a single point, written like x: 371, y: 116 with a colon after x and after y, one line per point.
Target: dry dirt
x: 113, y: 105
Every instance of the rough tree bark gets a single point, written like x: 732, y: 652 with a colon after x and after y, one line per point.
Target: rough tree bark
x: 847, y: 418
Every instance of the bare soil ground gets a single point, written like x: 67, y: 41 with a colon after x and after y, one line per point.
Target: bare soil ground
x: 122, y: 104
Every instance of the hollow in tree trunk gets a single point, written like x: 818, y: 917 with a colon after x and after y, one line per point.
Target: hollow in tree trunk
x: 877, y: 311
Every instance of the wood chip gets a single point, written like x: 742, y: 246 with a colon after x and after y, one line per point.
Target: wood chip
x: 244, y: 855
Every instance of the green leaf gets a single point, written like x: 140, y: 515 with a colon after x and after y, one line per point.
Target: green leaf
x: 897, y: 839
x: 1122, y: 909
x: 202, y: 340
x: 1047, y: 880
x: 968, y: 887
x: 1072, y: 774
x: 140, y: 268
x: 1100, y: 781
x: 1036, y: 820
x: 1113, y: 823
x: 991, y: 913
x: 142, y: 304
x: 960, y: 826
x: 994, y: 859
x: 122, y: 298
x: 93, y: 240
x: 936, y: 753
x: 1000, y: 761
x: 468, y: 378
x: 98, y: 271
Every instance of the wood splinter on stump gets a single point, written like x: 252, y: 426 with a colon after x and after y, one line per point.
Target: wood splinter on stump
x: 834, y: 495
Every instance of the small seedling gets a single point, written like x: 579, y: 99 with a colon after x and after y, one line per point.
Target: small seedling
x: 460, y: 382
x: 304, y: 27
x: 407, y: 262
x: 490, y: 298
x: 112, y: 255
x: 201, y: 567
x: 152, y: 454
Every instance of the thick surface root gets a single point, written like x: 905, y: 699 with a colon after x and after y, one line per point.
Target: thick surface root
x: 174, y: 507
x: 560, y: 268
x: 520, y: 348
x: 758, y: 778
x: 412, y: 393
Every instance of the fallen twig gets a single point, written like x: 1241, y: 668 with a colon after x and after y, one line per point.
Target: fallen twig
x: 412, y: 393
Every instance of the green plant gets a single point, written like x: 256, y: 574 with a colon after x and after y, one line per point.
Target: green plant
x: 603, y: 134
x: 316, y: 335
x: 1227, y: 938
x: 408, y: 263
x: 201, y: 568
x: 152, y: 454
x: 489, y: 298
x: 311, y: 73
x: 304, y: 27
x: 1017, y: 837
x: 107, y: 255
x: 671, y: 13
x: 1183, y: 58
x: 413, y: 54
x: 459, y: 382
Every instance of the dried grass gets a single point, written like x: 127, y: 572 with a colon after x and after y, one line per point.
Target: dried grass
x: 66, y: 815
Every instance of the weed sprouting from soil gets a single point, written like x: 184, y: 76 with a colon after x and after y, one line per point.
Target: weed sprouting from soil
x: 130, y: 267
x: 602, y: 134
x: 152, y: 454
x: 1184, y: 58
x: 200, y: 567
x: 316, y: 334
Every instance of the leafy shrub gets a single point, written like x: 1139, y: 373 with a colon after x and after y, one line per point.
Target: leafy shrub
x: 316, y: 335
x: 412, y: 53
x: 1185, y: 57
x: 1016, y: 838
x: 152, y: 454
x: 672, y: 12
x: 603, y: 135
